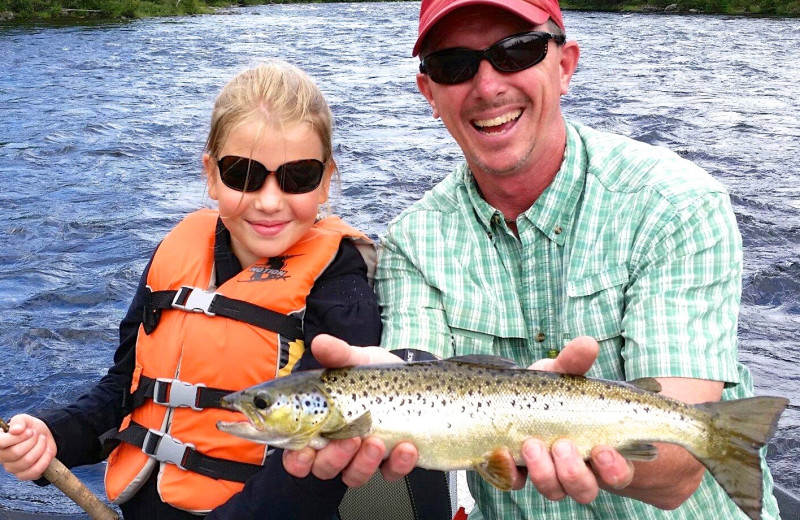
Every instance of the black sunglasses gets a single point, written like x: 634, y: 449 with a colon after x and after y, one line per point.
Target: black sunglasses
x: 243, y: 174
x: 512, y: 54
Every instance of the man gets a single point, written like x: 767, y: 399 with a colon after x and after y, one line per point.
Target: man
x: 549, y: 233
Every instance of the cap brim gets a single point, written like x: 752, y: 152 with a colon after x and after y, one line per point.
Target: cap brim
x: 521, y: 8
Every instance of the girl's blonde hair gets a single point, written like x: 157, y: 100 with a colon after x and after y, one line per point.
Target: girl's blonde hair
x: 272, y: 93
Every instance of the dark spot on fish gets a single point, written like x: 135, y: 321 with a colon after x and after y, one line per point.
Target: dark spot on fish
x: 378, y: 400
x: 444, y: 402
x: 601, y: 396
x: 429, y: 388
x: 546, y: 406
x: 627, y: 401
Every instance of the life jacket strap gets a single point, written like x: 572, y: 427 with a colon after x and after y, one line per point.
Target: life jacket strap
x: 175, y: 393
x: 192, y: 299
x: 163, y: 447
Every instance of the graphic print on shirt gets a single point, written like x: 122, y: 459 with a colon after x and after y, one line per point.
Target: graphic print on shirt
x: 273, y: 269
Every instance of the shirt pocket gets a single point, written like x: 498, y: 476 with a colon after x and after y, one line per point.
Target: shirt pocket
x: 595, y: 305
x: 476, y: 322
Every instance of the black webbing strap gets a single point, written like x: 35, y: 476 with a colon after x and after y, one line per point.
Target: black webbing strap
x: 165, y: 448
x: 175, y: 393
x: 196, y: 300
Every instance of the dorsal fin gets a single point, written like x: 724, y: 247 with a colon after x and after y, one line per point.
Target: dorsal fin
x: 484, y: 360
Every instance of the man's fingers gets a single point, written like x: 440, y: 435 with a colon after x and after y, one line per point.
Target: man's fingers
x: 575, y: 477
x: 401, y: 461
x: 335, y: 457
x: 576, y: 358
x: 541, y: 469
x: 365, y: 463
x: 612, y: 469
x: 298, y: 463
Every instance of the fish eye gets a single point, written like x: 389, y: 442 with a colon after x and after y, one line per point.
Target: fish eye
x: 260, y: 402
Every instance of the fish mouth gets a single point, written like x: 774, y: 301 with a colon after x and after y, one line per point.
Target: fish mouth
x: 243, y: 429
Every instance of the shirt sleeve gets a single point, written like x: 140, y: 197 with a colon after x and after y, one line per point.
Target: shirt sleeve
x: 341, y: 304
x: 681, y: 309
x: 411, y: 308
x: 77, y: 427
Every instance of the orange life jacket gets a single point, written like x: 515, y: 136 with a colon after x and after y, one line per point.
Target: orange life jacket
x: 195, y: 351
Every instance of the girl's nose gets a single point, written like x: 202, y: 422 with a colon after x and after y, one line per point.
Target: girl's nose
x: 269, y: 198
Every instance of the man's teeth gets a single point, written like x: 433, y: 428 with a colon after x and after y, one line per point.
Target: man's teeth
x: 499, y: 120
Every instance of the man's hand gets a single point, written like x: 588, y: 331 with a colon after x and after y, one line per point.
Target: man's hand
x: 356, y: 459
x: 561, y: 472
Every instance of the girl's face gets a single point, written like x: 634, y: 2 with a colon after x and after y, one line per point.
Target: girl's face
x: 267, y: 222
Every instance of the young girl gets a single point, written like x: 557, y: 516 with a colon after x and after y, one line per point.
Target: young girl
x: 230, y: 298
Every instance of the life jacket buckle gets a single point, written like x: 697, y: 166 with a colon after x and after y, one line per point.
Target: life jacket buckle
x: 181, y: 394
x: 165, y: 448
x: 192, y: 299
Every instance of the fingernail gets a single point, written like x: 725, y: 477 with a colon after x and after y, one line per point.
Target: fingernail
x: 304, y: 458
x: 350, y: 445
x: 372, y: 451
x: 604, y: 458
x: 533, y: 450
x: 562, y: 449
x: 405, y: 457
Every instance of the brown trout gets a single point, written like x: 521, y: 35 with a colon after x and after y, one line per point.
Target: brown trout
x: 461, y: 412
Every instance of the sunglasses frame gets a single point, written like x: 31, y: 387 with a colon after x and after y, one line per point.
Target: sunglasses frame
x: 487, y: 54
x: 257, y: 174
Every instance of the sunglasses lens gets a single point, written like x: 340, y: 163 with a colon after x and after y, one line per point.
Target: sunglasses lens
x: 241, y: 174
x: 518, y: 53
x: 513, y: 54
x: 452, y: 66
x: 301, y: 176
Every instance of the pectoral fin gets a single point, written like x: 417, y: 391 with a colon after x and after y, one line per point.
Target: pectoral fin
x: 638, y: 451
x: 361, y: 427
x: 496, y: 469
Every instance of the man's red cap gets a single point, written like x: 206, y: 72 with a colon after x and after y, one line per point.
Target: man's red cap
x: 535, y: 11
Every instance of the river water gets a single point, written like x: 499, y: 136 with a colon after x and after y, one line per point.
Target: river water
x: 102, y: 125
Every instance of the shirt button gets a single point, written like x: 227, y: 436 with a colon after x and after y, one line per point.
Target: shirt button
x: 540, y: 337
x: 496, y: 219
x: 557, y: 230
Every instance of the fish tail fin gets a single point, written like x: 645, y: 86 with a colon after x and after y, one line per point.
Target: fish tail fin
x: 742, y: 427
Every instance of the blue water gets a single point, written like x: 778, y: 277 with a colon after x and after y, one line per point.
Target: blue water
x: 102, y: 125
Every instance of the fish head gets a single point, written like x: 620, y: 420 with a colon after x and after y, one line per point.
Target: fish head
x: 288, y: 412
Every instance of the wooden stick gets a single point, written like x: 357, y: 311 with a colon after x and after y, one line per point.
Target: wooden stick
x: 68, y: 483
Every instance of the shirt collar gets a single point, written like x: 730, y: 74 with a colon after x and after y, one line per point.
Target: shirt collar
x: 553, y: 211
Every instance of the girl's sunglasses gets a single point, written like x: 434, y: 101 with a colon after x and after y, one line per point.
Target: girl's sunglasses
x: 244, y: 174
x: 512, y: 54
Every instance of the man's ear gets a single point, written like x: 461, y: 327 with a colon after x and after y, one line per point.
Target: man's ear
x: 424, y: 86
x: 212, y: 179
x: 569, y: 62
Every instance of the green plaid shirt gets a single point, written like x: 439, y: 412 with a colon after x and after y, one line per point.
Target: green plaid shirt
x: 630, y: 244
